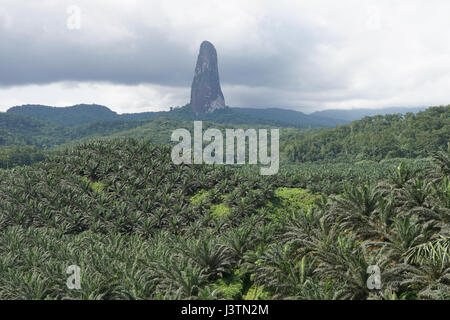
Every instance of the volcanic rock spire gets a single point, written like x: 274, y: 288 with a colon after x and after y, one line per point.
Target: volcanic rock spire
x: 206, y: 94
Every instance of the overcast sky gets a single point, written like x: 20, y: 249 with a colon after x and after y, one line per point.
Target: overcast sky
x: 139, y: 55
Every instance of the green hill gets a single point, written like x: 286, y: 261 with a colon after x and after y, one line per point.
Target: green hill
x: 25, y: 140
x: 85, y: 114
x: 68, y: 116
x: 357, y: 114
x: 373, y: 138
x: 18, y: 130
x: 293, y: 118
x: 22, y: 130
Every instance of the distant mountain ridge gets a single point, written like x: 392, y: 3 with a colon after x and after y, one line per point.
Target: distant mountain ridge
x: 24, y: 138
x: 83, y: 114
x: 19, y: 130
x: 292, y: 117
x: 374, y: 138
x: 67, y: 116
x: 357, y: 114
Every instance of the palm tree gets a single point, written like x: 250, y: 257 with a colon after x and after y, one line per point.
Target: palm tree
x: 280, y: 274
x: 407, y: 233
x: 178, y: 275
x: 427, y: 270
x: 441, y: 160
x: 213, y: 258
x: 238, y: 241
x: 355, y: 211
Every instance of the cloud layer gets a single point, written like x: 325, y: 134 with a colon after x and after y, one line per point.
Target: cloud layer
x: 305, y: 55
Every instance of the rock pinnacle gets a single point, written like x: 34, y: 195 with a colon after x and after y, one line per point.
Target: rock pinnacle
x: 206, y: 94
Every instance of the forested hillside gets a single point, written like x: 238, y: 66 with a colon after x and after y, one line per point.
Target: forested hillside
x: 373, y: 138
x: 163, y: 231
x: 25, y: 140
x: 292, y: 118
x: 18, y: 130
x: 84, y: 114
x: 68, y: 116
x: 357, y: 114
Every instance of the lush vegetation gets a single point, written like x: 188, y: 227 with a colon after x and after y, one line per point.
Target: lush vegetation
x: 105, y: 195
x: 374, y: 138
x: 20, y: 155
x: 16, y: 130
x: 84, y: 114
x: 141, y: 227
x: 69, y: 116
x: 40, y: 137
x: 357, y: 114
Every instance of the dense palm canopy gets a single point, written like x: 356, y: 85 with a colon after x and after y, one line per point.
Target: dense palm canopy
x: 141, y: 227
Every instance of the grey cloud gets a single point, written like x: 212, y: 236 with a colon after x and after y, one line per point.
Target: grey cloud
x: 44, y: 51
x: 287, y: 54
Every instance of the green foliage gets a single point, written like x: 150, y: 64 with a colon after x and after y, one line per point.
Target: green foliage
x: 95, y: 186
x: 257, y: 293
x: 69, y: 116
x: 220, y: 211
x: 20, y: 155
x: 230, y: 287
x: 98, y: 186
x: 330, y: 178
x: 18, y: 130
x: 288, y: 200
x: 199, y: 197
x: 141, y: 227
x: 373, y: 138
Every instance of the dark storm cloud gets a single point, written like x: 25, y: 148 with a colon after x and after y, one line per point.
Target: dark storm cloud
x: 30, y: 61
x: 37, y: 48
x: 296, y: 54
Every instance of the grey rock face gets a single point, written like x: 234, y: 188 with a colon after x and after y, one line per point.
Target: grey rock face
x: 206, y: 94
